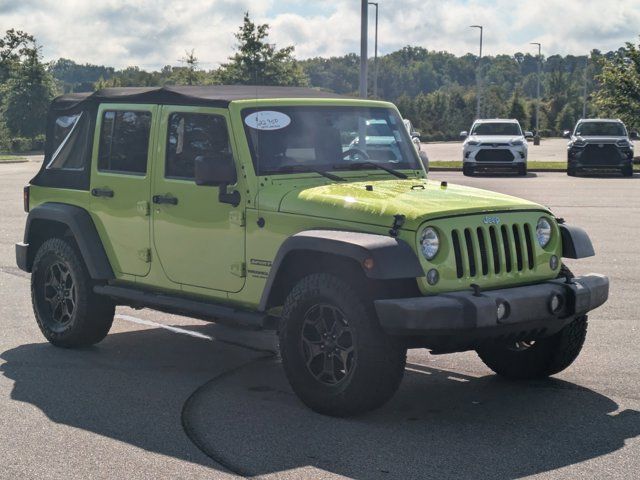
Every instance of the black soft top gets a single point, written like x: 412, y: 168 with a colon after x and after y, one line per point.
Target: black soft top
x: 211, y: 96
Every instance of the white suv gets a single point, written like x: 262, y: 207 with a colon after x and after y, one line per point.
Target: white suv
x: 496, y: 144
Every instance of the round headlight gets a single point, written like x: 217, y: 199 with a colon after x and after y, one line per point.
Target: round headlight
x: 543, y: 232
x: 430, y: 243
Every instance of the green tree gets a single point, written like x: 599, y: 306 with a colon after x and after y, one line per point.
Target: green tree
x: 517, y: 110
x: 188, y: 74
x: 566, y: 119
x: 29, y: 91
x: 260, y: 63
x: 619, y: 94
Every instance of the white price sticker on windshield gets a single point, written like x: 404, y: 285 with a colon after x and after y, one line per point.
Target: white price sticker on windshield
x: 267, y: 120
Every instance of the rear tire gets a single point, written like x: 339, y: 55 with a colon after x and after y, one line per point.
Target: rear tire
x: 335, y: 355
x: 543, y: 358
x: 468, y: 171
x: 68, y: 313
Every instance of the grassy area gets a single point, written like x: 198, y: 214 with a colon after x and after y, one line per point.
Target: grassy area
x: 12, y: 159
x: 532, y: 165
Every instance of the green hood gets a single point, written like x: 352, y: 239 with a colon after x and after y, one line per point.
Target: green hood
x: 416, y: 199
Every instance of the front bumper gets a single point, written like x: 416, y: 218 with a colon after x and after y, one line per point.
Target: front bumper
x: 473, y: 318
x: 611, y: 158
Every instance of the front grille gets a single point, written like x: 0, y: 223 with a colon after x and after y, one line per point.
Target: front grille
x: 595, y: 154
x: 495, y: 144
x: 494, y: 156
x: 493, y: 250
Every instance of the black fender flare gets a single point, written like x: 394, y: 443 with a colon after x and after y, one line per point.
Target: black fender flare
x: 392, y: 258
x: 82, y: 228
x: 575, y: 242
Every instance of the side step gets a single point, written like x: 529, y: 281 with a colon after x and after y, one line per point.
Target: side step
x: 185, y: 306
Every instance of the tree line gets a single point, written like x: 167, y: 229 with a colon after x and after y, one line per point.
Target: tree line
x: 435, y: 90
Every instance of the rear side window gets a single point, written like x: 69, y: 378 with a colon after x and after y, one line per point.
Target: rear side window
x: 192, y: 135
x: 70, y: 142
x: 124, y: 142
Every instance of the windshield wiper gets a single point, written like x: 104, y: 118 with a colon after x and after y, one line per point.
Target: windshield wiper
x: 303, y: 169
x: 355, y: 165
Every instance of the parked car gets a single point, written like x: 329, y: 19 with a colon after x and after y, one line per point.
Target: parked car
x: 415, y: 135
x: 600, y: 144
x: 495, y: 145
x: 253, y: 206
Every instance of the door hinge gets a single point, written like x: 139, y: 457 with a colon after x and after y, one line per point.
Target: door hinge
x: 145, y: 255
x: 236, y: 217
x: 239, y: 269
x: 143, y: 208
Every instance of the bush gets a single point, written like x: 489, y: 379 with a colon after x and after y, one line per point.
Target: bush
x: 24, y: 144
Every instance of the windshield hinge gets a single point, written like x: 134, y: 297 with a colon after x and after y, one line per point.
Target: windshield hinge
x: 398, y: 221
x: 239, y: 269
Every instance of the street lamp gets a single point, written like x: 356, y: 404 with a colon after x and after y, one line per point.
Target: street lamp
x: 375, y: 54
x: 478, y: 77
x: 536, y: 138
x: 364, y: 14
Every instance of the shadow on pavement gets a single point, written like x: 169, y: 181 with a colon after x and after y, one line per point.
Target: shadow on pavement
x: 440, y: 425
x: 131, y: 387
x: 242, y: 413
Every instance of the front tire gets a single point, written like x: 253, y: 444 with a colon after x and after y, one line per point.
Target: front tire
x: 335, y: 355
x: 539, y: 359
x: 68, y: 313
x: 522, y: 170
x: 627, y: 171
x: 468, y: 170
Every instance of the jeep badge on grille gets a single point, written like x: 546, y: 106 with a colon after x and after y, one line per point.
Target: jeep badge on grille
x: 491, y: 220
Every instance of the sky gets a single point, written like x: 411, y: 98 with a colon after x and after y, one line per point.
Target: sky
x: 154, y: 33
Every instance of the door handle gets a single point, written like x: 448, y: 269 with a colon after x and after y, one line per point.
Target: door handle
x: 102, y: 192
x: 165, y: 199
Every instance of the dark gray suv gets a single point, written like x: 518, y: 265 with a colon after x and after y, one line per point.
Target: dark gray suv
x: 600, y: 144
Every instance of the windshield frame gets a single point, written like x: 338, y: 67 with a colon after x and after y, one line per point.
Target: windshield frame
x: 625, y: 132
x: 480, y: 124
x: 410, y: 160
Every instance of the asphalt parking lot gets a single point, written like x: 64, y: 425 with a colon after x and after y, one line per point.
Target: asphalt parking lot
x: 549, y: 150
x: 169, y: 397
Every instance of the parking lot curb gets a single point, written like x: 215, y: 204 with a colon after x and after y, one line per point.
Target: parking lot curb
x: 453, y: 169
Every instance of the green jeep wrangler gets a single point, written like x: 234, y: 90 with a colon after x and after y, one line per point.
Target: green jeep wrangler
x: 301, y: 211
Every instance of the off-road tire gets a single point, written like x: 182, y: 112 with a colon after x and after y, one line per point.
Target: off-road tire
x: 81, y: 317
x: 544, y: 358
x: 627, y: 171
x: 377, y: 367
x: 468, y: 171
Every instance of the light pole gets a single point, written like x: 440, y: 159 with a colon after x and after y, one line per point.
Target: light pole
x: 478, y: 72
x: 375, y: 55
x: 364, y: 14
x: 536, y: 138
x: 584, y: 92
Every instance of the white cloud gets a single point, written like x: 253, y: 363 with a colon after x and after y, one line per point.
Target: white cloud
x: 155, y: 33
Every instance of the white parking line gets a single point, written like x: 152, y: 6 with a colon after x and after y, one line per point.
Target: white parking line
x: 183, y: 331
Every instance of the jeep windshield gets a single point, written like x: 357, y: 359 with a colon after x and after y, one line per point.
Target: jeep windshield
x: 319, y: 139
x: 600, y: 129
x: 497, y: 128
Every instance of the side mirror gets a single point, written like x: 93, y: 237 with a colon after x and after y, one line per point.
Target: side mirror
x: 528, y: 134
x: 464, y: 134
x: 219, y: 171
x: 634, y: 136
x: 566, y: 134
x: 424, y: 159
x: 415, y: 133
